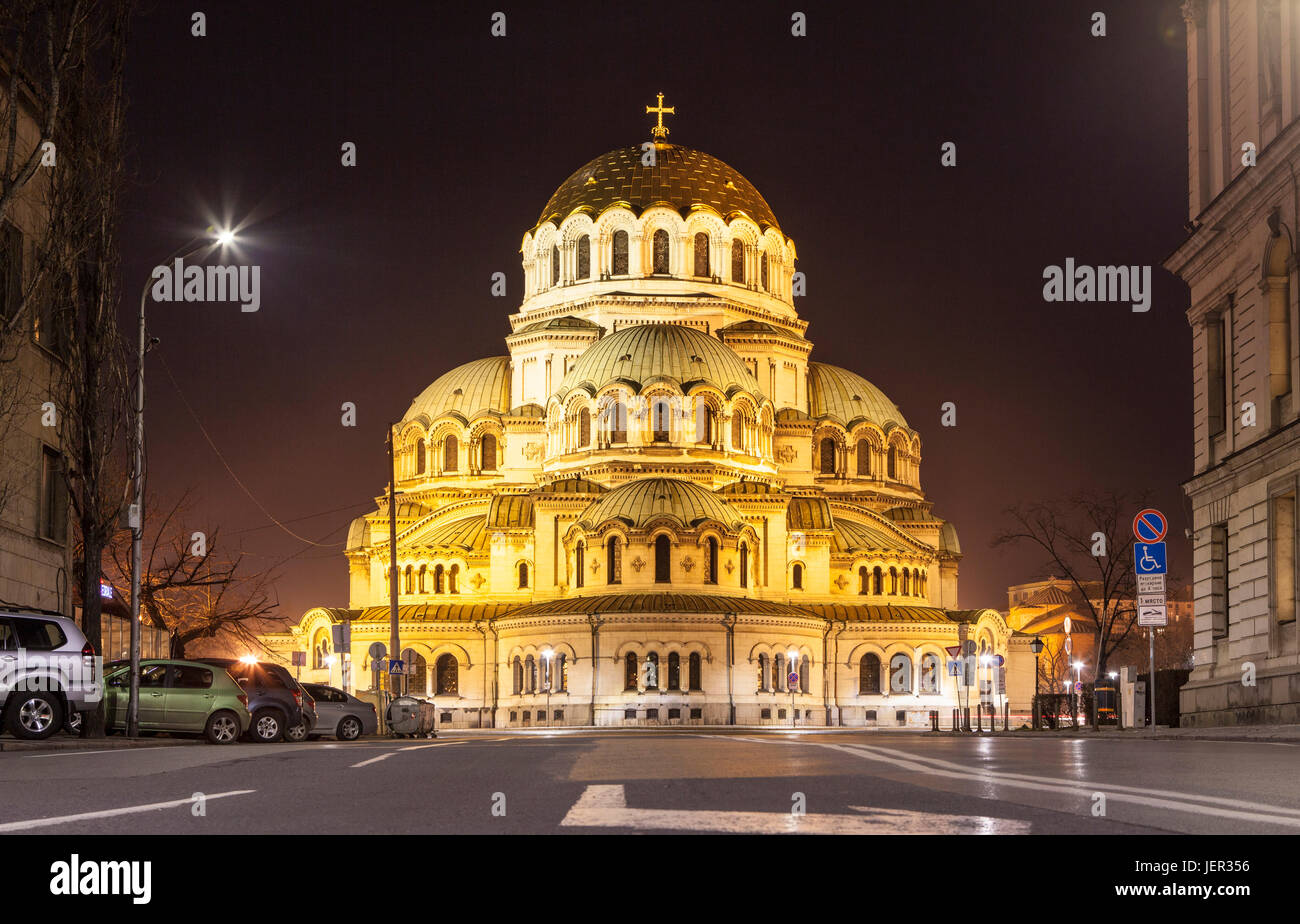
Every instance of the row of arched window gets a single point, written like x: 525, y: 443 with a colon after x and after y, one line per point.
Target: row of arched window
x: 828, y: 461
x: 446, y: 674
x: 702, y: 263
x: 663, y: 561
x: 439, y: 580
x: 662, y: 425
x: 773, y: 674
x: 901, y: 582
x: 445, y: 457
x: 671, y: 680
x: 872, y: 680
x: 541, y: 675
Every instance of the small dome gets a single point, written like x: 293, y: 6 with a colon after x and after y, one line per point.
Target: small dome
x: 641, y: 502
x: 476, y: 388
x: 681, y: 178
x: 647, y: 352
x: 847, y: 397
x: 948, y: 540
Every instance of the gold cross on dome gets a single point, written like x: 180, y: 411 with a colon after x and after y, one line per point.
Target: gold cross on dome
x: 661, y: 130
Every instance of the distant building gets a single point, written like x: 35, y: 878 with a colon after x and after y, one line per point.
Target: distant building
x: 1243, y: 62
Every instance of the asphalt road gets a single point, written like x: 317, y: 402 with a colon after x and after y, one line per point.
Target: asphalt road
x: 669, y: 781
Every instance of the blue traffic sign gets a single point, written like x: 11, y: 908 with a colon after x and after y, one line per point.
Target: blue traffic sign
x: 396, y: 666
x: 1149, y: 557
x: 1150, y: 526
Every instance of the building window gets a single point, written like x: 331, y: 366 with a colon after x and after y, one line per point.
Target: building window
x: 579, y: 559
x: 530, y: 674
x: 489, y: 453
x: 869, y: 674
x: 450, y: 454
x: 618, y: 265
x: 448, y: 674
x: 916, y: 582
x: 419, y: 457
x: 659, y: 421
x: 878, y: 581
x: 1219, y: 579
x: 584, y: 257
x: 518, y: 677
x: 738, y: 262
x: 693, y: 670
x: 320, y: 651
x: 697, y: 713
x: 705, y: 422
x: 408, y: 583
x: 930, y: 673
x: 613, y: 561
x: 584, y: 428
x: 616, y: 422
x: 738, y: 432
x: 1217, y: 373
x: 555, y: 265
x: 796, y: 577
x: 661, y: 252
x: 744, y: 565
x: 762, y: 673
x: 523, y: 575
x: 416, y: 673
x: 629, y: 672
x: 663, y: 560
x: 701, y: 254
x: 54, y: 497
x: 711, y: 567
x: 827, y: 456
x: 674, y: 671
x: 653, y: 658
x: 424, y: 572
x: 892, y: 466
x: 778, y: 673
x: 906, y: 582
x: 900, y: 674
x: 452, y: 574
x: 863, y: 580
x: 439, y: 582
x: 864, y: 458
x: 1282, y: 567
x: 803, y: 674
x: 562, y: 673
x: 763, y: 273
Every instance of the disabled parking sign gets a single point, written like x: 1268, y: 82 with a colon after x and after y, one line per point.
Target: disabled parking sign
x: 1149, y: 558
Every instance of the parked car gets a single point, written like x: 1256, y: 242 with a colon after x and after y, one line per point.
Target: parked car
x: 47, y: 672
x: 299, y: 732
x: 342, y: 715
x: 276, y: 701
x: 178, y: 696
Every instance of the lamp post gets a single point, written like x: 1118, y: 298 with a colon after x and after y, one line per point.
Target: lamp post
x: 792, y: 657
x: 206, y: 241
x: 1036, y: 646
x: 546, y: 656
x: 1078, y: 680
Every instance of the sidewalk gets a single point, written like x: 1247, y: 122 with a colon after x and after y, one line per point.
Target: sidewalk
x: 63, y: 742
x: 1263, y: 733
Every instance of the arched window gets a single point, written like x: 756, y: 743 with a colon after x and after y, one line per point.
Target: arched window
x: 763, y: 272
x: 711, y: 565
x: 523, y: 575
x: 419, y: 456
x: 408, y: 585
x: 660, y: 243
x: 900, y: 674
x: 562, y: 673
x: 744, y: 565
x: 448, y: 674
x: 916, y: 582
x: 796, y: 577
x: 705, y: 422
x: 827, y: 456
x: 519, y: 675
x: 738, y: 262
x: 530, y: 674
x: 450, y: 454
x: 869, y: 674
x: 320, y: 651
x: 863, y: 580
x: 618, y: 265
x: 930, y: 673
x: 891, y: 468
x: 659, y: 417
x: 555, y: 265
x: 629, y: 672
x: 693, y: 666
x: 663, y: 560
x: 906, y: 582
x: 701, y: 254
x: 439, y: 585
x: 613, y: 561
x: 778, y: 673
x: 762, y: 673
x: 584, y: 428
x: 616, y: 422
x: 584, y: 257
x: 738, y: 431
x: 674, y: 671
x: 452, y: 575
x: 877, y: 581
x: 653, y: 658
x: 579, y: 556
x: 416, y: 673
x: 803, y: 674
x: 388, y: 582
x: 893, y: 580
x: 864, y: 458
x: 489, y: 453
x: 424, y: 571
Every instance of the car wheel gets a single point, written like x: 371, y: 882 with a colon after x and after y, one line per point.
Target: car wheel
x: 349, y: 728
x: 268, y: 726
x: 72, y: 724
x: 34, y: 716
x: 222, y: 727
x: 297, y: 734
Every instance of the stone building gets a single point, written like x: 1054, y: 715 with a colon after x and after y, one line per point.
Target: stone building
x: 1239, y: 260
x: 655, y: 507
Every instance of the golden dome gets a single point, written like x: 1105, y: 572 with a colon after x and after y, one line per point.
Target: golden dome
x: 641, y: 502
x: 471, y: 390
x: 846, y: 397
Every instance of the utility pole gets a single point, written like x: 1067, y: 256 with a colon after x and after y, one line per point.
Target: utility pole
x: 393, y: 640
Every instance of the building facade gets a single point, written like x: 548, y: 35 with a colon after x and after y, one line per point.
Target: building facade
x: 1243, y: 63
x: 655, y: 507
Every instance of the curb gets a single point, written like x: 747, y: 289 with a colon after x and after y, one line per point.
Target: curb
x: 93, y: 744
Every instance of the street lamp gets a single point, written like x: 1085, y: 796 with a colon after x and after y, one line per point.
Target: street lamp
x: 546, y: 656
x: 793, y: 657
x: 1036, y: 646
x: 212, y: 237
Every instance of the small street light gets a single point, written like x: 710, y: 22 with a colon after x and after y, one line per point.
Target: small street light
x: 793, y: 660
x: 546, y: 656
x: 1036, y: 646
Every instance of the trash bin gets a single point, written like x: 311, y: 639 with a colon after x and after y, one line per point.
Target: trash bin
x: 412, y: 717
x: 1104, y: 690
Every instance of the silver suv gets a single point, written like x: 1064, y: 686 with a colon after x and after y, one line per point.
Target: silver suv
x: 48, y: 671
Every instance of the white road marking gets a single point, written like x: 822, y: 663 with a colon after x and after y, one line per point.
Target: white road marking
x: 111, y: 813
x: 152, y: 747
x: 605, y: 806
x: 416, y: 747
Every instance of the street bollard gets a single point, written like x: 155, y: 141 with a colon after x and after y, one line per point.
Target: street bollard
x: 934, y: 720
x: 956, y: 721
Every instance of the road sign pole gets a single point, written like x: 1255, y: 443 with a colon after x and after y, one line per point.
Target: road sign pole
x: 1151, y: 637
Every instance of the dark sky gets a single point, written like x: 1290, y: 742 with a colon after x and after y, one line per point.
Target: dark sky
x: 928, y: 281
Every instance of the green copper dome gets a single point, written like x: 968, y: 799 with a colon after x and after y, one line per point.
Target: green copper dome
x: 639, y: 503
x: 482, y: 386
x: 649, y: 352
x: 847, y: 397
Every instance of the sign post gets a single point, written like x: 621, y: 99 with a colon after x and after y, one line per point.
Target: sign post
x: 1150, y: 566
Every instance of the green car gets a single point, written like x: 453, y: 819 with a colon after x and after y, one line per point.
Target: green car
x: 178, y: 696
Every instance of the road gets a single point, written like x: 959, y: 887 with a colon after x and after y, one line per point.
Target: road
x: 669, y: 781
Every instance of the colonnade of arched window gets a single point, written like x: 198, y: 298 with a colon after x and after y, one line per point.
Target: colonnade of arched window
x: 547, y: 673
x: 443, y: 456
x: 868, y: 461
x: 899, y: 678
x: 774, y: 671
x: 663, y: 418
x: 895, y: 582
x: 439, y: 579
x: 667, y: 673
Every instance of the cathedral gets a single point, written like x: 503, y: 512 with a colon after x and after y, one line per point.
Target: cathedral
x: 655, y: 508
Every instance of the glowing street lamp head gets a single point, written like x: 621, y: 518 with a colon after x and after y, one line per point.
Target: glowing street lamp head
x: 248, y: 659
x: 225, y: 237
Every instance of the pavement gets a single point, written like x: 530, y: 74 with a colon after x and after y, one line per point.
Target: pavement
x: 548, y: 781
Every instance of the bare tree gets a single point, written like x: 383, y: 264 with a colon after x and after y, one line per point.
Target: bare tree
x: 1088, y: 540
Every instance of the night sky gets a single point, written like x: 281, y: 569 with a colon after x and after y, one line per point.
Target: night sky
x: 927, y: 281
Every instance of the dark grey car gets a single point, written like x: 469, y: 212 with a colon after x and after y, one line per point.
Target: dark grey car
x: 345, y: 717
x: 275, y: 699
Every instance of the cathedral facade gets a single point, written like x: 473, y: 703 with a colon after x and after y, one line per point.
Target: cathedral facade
x: 655, y: 507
